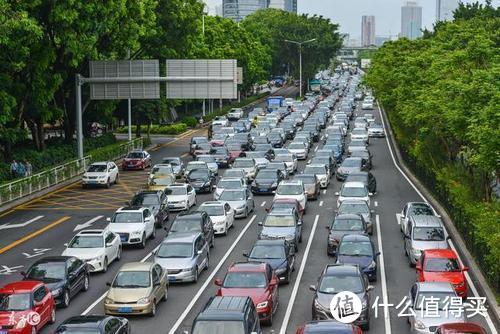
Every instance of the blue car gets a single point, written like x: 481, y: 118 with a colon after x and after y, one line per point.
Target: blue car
x: 358, y: 249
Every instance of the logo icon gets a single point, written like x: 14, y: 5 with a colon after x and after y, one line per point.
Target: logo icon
x: 33, y: 318
x: 346, y: 307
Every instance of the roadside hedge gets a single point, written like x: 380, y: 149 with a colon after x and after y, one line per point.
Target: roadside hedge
x: 173, y: 129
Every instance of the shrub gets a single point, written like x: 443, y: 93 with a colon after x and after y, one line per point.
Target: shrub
x: 190, y: 121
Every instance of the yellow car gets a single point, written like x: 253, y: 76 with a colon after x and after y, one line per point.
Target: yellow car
x: 160, y: 182
x: 136, y: 289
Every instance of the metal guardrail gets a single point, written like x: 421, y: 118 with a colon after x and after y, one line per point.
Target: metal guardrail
x: 37, y: 182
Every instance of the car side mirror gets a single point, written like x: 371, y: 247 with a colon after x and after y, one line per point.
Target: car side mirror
x: 66, y: 245
x: 299, y: 223
x: 369, y: 288
x: 218, y: 282
x: 312, y: 287
x: 274, y: 282
x: 108, y: 219
x: 268, y: 210
x: 23, y: 273
x: 245, y: 254
x: 108, y: 283
x: 377, y: 254
x: 199, y: 252
x: 259, y: 223
x: 370, y: 194
x: 337, y: 193
x: 372, y: 211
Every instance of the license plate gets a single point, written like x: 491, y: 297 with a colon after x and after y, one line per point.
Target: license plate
x: 125, y: 309
x: 123, y: 238
x: 171, y: 206
x: 262, y: 189
x: 171, y: 278
x: 89, y: 182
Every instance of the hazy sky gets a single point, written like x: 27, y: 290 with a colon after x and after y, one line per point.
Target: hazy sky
x: 348, y: 13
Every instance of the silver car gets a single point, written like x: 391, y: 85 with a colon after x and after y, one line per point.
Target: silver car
x: 184, y: 256
x: 423, y: 319
x: 424, y: 232
x: 229, y: 183
x: 241, y: 200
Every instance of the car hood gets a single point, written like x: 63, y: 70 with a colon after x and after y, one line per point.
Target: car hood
x: 125, y: 227
x: 175, y: 263
x: 452, y: 277
x: 423, y: 245
x: 128, y: 295
x: 362, y: 261
x: 93, y: 174
x: 236, y: 204
x: 258, y: 295
x: 83, y: 253
x: 176, y: 198
x: 324, y: 299
x: 278, y: 231
x: 443, y: 318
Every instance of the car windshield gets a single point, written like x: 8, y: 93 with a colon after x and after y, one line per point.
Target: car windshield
x: 185, y: 225
x: 192, y: 166
x: 212, y: 210
x: 174, y: 191
x: 145, y: 200
x: 175, y: 250
x: 314, y: 170
x: 347, y: 225
x: 276, y: 165
x: 219, y: 327
x: 234, y: 147
x: 162, y: 181
x: 420, y: 209
x: 266, y: 174
x: 171, y: 161
x: 354, y: 192
x: 442, y: 298
x: 229, y: 184
x: 97, y: 168
x: 47, y: 270
x: 86, y: 241
x: 134, y: 155
x: 359, y: 131
x: 198, y: 174
x: 284, y: 158
x: 132, y: 279
x: 127, y: 217
x: 354, y: 208
x: 351, y: 163
x: 232, y: 195
x: 338, y: 283
x: 268, y: 252
x: 206, y: 158
x: 441, y: 265
x: 428, y: 234
x: 15, y: 302
x: 290, y: 189
x: 243, y: 163
x: 162, y: 170
x: 355, y: 248
x: 245, y: 280
x: 279, y: 221
x: 306, y: 179
x: 296, y: 146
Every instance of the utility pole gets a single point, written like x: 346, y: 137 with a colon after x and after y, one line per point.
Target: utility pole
x: 300, y: 59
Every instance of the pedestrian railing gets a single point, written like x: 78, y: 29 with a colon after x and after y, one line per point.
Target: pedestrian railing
x: 37, y: 182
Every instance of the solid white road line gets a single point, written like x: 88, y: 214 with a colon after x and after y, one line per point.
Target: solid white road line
x: 324, y: 192
x: 316, y: 149
x: 263, y: 203
x: 321, y: 203
x: 375, y: 203
x: 467, y: 276
x: 210, y: 278
x: 385, y: 298
x: 295, y: 290
x: 9, y: 226
x: 309, y: 161
x: 87, y: 224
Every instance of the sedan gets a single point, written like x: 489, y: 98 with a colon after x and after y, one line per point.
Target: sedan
x: 233, y: 183
x: 180, y: 196
x: 299, y: 149
x: 366, y: 177
x: 266, y: 181
x: 376, y: 130
x: 279, y: 254
x: 321, y: 172
x: 201, y: 180
x: 461, y: 327
x: 290, y: 161
x: 94, y: 324
x: 359, y: 250
x: 353, y: 191
x: 414, y: 209
x: 344, y: 224
x: 211, y: 163
x: 241, y: 200
x: 311, y: 185
x: 293, y: 190
x: 282, y: 224
x: 136, y: 159
x: 360, y: 134
x: 176, y: 163
x: 100, y: 173
x: 221, y: 214
x: 347, y: 166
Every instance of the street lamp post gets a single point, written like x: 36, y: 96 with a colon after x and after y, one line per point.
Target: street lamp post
x: 300, y: 59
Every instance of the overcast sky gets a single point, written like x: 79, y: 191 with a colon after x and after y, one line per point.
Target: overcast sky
x: 348, y: 13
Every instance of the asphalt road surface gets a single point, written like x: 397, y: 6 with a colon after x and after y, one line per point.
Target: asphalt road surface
x: 41, y: 227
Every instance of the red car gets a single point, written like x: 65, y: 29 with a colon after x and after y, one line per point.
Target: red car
x: 328, y: 326
x: 25, y: 307
x: 255, y: 280
x: 137, y: 159
x: 286, y: 203
x: 442, y: 265
x: 460, y: 328
x: 235, y: 151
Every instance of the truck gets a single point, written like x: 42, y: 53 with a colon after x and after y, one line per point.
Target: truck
x: 274, y: 102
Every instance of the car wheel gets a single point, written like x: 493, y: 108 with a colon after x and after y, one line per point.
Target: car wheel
x: 153, y: 309
x: 108, y: 184
x: 86, y: 283
x: 208, y: 262
x: 65, y: 301
x: 143, y: 241
x: 226, y: 230
x: 119, y: 254
x: 195, y: 279
x: 153, y: 234
x: 105, y: 265
x: 53, y: 316
x: 212, y: 241
x: 116, y: 178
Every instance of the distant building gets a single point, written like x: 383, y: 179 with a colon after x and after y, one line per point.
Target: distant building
x: 218, y: 10
x: 379, y: 40
x: 345, y: 38
x: 367, y: 30
x: 237, y: 10
x: 411, y: 20
x: 445, y: 9
x: 288, y: 5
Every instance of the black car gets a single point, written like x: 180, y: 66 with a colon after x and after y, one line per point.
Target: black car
x: 94, y: 324
x: 198, y: 221
x: 276, y: 140
x: 266, y: 181
x: 366, y: 177
x: 280, y: 255
x: 65, y: 276
x: 202, y: 180
x: 155, y: 201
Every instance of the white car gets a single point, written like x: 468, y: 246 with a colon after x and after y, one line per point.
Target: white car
x: 221, y: 214
x: 360, y: 134
x: 248, y: 165
x: 97, y: 247
x: 235, y: 114
x: 180, y: 196
x: 290, y: 161
x: 133, y: 225
x: 356, y: 191
x: 101, y: 173
x: 229, y: 183
x: 367, y: 104
x: 292, y: 189
x: 220, y: 120
x: 210, y: 161
x: 299, y: 149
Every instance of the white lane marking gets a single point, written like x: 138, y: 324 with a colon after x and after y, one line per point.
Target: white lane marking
x: 375, y: 203
x: 324, y: 192
x: 321, y: 203
x: 6, y: 270
x: 295, y: 290
x: 467, y: 276
x: 101, y: 298
x: 37, y: 252
x: 385, y: 298
x: 309, y: 161
x: 263, y: 203
x: 87, y: 224
x: 210, y: 278
x: 9, y: 226
x: 316, y: 149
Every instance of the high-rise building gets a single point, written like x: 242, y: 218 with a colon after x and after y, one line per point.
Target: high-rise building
x: 411, y: 20
x: 445, y: 9
x: 237, y: 10
x: 367, y: 30
x: 288, y: 5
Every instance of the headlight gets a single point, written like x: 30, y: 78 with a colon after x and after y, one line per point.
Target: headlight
x: 56, y: 292
x: 275, y: 184
x: 187, y: 270
x: 372, y: 265
x: 280, y: 271
x: 241, y: 207
x: 459, y: 285
x: 136, y: 232
x: 21, y: 323
x: 262, y: 305
x: 419, y: 324
x: 109, y: 301
x: 143, y: 301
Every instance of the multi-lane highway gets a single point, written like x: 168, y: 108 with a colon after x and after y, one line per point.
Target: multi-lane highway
x: 41, y: 227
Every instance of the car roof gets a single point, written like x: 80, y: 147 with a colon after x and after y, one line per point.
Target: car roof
x: 131, y: 209
x: 334, y: 269
x: 227, y: 307
x: 207, y: 203
x: 270, y: 242
x: 435, y: 287
x: 20, y: 286
x: 440, y: 253
x: 354, y: 184
x: 426, y: 220
x: 137, y: 266
x: 85, y: 321
x: 348, y: 216
x: 292, y: 182
x: 248, y: 267
x: 183, y: 185
x: 92, y: 232
x: 356, y: 237
x: 182, y: 237
x: 99, y: 163
x: 282, y: 211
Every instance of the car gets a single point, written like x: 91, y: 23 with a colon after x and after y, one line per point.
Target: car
x: 376, y: 130
x: 222, y: 156
x: 461, y: 327
x: 235, y: 114
x: 180, y: 196
x: 299, y: 149
x: 322, y: 173
x: 365, y: 155
x: 136, y: 289
x: 235, y: 173
x: 227, y: 315
x: 202, y: 180
x: 414, y: 209
x: 357, y: 191
x: 361, y: 122
x: 160, y: 182
x: 100, y: 173
x: 349, y: 165
x: 360, y: 134
x: 261, y: 158
x: 358, y: 249
x: 290, y: 161
x: 367, y: 105
x: 328, y: 161
x: 343, y: 224
x: 356, y: 207
x: 282, y: 223
x: 248, y: 165
x: 293, y: 189
x: 134, y: 225
x: 337, y: 150
x: 280, y: 166
x: 441, y: 293
x: 266, y: 181
x: 184, y: 256
x: 328, y: 326
x: 136, y: 159
x: 194, y: 222
x: 212, y: 165
x: 366, y: 177
x: 195, y: 165
x: 442, y: 265
x: 195, y: 142
x: 282, y: 203
x: 278, y: 253
x: 229, y: 183
x: 241, y: 200
x: 220, y: 120
x: 65, y: 276
x: 423, y: 232
x: 160, y: 170
x: 257, y: 280
x: 221, y: 214
x: 98, y: 248
x: 18, y: 300
x: 201, y: 149
x: 155, y: 201
x: 336, y: 278
x: 235, y: 150
x: 176, y: 163
x: 311, y: 185
x: 95, y: 324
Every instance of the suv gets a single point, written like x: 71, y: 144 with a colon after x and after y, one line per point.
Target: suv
x: 134, y: 225
x: 283, y: 223
x: 235, y: 315
x: 423, y: 232
x: 156, y: 201
x: 194, y: 222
